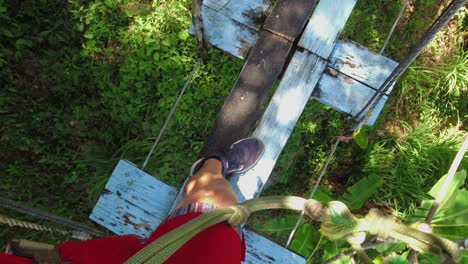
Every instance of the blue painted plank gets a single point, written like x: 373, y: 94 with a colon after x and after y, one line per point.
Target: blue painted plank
x: 346, y: 94
x: 261, y: 250
x: 279, y: 120
x: 227, y: 34
x: 361, y: 63
x: 122, y: 217
x: 141, y: 189
x: 250, y: 13
x: 127, y: 206
x: 216, y: 5
x: 325, y: 26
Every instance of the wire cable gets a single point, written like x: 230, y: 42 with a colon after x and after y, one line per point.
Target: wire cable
x: 427, y: 37
x: 322, y: 173
x: 156, y: 141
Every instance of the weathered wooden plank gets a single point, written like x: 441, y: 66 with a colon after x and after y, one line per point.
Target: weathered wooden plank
x: 216, y: 4
x: 279, y: 120
x: 141, y: 189
x: 261, y: 250
x: 250, y: 93
x: 227, y: 34
x: 122, y: 217
x: 251, y: 13
x: 288, y: 17
x: 361, y: 63
x: 345, y: 94
x: 325, y: 26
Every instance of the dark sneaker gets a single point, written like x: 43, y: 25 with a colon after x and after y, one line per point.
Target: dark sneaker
x: 240, y: 157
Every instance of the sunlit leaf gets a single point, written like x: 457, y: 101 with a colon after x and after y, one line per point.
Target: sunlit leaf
x: 426, y: 258
x: 396, y: 260
x: 390, y: 247
x: 457, y: 182
x: 361, y: 139
x: 357, y: 194
x: 305, y: 240
x: 453, y: 224
x: 333, y: 248
x: 88, y: 35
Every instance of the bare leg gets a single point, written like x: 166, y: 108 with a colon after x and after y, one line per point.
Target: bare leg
x: 208, y: 185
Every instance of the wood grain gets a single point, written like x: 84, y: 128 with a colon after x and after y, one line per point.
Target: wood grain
x: 361, y: 63
x: 250, y: 93
x: 124, y: 218
x: 260, y: 250
x: 133, y: 201
x: 227, y: 34
x: 279, y: 119
x: 138, y: 187
x: 288, y: 17
x: 251, y: 13
x: 325, y: 26
x: 346, y: 94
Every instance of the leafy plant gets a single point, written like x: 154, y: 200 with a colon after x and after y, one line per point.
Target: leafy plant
x: 361, y: 138
x: 410, y: 163
x: 307, y: 240
x: 360, y: 192
x: 450, y: 219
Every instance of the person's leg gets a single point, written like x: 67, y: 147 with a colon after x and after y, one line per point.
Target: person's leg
x: 208, y: 185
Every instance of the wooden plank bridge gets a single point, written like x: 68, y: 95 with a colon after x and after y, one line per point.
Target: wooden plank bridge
x: 284, y: 38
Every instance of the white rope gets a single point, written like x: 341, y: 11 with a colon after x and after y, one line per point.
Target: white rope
x: 156, y: 141
x: 322, y: 173
x: 403, y: 8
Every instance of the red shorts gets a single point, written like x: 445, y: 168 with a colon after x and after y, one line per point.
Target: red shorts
x: 217, y: 244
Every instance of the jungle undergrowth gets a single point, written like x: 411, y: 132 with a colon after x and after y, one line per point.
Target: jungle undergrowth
x: 86, y: 83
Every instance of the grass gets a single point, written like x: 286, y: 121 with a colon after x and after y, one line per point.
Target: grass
x: 86, y: 83
x: 412, y: 163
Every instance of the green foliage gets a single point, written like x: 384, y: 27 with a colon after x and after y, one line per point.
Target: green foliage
x: 436, y: 90
x: 338, y: 219
x: 306, y: 238
x: 426, y: 258
x: 453, y: 222
x: 450, y: 218
x: 389, y: 248
x: 85, y: 83
x: 333, y: 248
x: 396, y: 260
x: 321, y: 195
x: 411, y: 163
x: 359, y: 192
x: 361, y: 138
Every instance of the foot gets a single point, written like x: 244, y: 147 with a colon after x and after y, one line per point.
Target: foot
x: 238, y: 158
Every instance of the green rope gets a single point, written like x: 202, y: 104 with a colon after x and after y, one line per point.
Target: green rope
x: 337, y: 222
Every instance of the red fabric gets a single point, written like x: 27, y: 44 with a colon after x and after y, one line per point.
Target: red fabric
x: 9, y: 259
x: 114, y: 249
x: 217, y: 244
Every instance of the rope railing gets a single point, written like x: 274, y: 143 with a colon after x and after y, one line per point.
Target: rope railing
x: 337, y: 223
x: 12, y: 222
